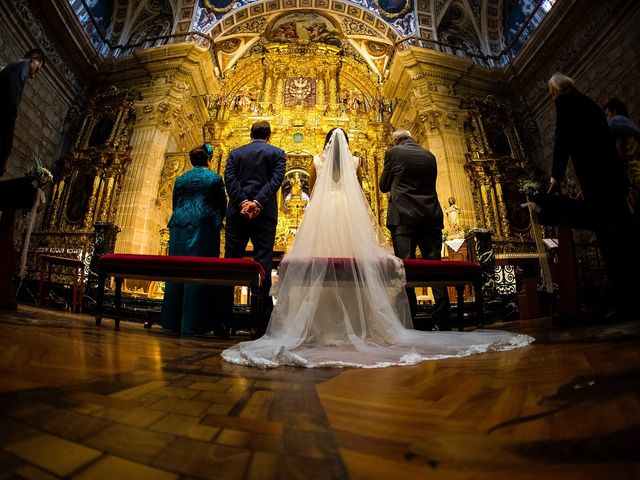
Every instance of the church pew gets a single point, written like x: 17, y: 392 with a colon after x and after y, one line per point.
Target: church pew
x: 454, y: 273
x: 421, y: 273
x: 204, y: 270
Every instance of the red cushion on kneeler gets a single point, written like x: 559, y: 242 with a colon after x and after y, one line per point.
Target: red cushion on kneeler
x: 164, y: 263
x: 440, y: 270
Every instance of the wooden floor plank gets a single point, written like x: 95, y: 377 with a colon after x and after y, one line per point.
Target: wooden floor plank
x: 566, y: 407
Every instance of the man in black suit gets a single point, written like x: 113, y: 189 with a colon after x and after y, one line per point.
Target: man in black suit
x: 13, y: 78
x: 414, y: 216
x: 253, y: 175
x: 582, y: 134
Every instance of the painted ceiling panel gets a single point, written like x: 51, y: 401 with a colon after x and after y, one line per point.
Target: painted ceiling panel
x: 476, y: 26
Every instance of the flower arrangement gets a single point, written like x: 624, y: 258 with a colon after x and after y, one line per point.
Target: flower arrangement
x: 38, y: 172
x: 530, y: 187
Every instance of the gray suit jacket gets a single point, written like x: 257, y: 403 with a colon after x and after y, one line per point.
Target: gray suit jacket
x: 410, y: 174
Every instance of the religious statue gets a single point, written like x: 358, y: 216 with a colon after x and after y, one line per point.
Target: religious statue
x: 244, y: 101
x: 296, y: 186
x: 295, y: 203
x: 453, y: 217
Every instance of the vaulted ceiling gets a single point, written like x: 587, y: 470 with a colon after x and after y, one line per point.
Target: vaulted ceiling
x: 483, y: 27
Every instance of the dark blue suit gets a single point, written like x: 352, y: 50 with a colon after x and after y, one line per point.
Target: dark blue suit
x: 199, y: 205
x: 254, y: 172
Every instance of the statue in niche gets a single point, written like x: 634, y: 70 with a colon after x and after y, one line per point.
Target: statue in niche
x: 353, y: 103
x: 383, y: 109
x: 243, y: 101
x: 295, y: 202
x: 453, y: 218
x: 296, y: 186
x: 214, y: 105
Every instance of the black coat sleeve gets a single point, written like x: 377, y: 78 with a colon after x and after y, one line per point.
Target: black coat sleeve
x: 562, y: 145
x: 17, y: 78
x: 386, y: 179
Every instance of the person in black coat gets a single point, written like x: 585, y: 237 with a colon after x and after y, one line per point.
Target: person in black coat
x: 253, y: 175
x: 414, y: 216
x: 13, y: 78
x: 583, y: 135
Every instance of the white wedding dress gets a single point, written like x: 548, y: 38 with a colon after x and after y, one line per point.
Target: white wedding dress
x: 341, y: 300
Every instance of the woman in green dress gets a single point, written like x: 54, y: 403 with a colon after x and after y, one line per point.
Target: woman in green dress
x: 199, y: 205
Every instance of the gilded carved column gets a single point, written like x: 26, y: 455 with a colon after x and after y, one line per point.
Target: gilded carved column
x: 92, y: 200
x: 267, y: 91
x: 279, y: 93
x: 485, y: 188
x: 333, y: 97
x: 320, y: 93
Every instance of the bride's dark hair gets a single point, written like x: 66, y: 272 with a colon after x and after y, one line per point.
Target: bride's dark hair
x: 335, y: 173
x: 328, y: 137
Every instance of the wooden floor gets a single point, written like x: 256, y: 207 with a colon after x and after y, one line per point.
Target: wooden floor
x: 78, y: 401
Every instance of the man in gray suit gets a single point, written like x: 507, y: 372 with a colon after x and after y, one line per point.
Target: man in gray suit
x: 414, y: 217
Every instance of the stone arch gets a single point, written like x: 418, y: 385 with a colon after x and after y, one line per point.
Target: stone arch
x: 221, y: 26
x: 371, y: 45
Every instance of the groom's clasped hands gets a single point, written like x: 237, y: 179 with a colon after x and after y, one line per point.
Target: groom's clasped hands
x: 250, y: 209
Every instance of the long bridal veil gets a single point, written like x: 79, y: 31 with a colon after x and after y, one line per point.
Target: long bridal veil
x: 340, y: 292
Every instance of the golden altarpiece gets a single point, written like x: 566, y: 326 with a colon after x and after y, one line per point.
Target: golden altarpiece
x: 303, y: 89
x: 304, y: 85
x: 497, y: 167
x: 498, y: 170
x: 84, y: 197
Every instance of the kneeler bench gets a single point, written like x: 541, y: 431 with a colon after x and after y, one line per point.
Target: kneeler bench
x: 205, y: 270
x: 420, y: 273
x: 455, y: 273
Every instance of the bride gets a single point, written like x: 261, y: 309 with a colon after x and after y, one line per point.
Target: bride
x: 341, y: 300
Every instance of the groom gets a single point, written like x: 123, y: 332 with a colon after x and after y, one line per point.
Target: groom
x: 253, y: 175
x: 415, y: 217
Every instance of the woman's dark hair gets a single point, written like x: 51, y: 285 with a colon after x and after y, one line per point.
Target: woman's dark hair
x: 37, y: 53
x: 261, y: 130
x: 616, y: 106
x: 328, y: 137
x: 198, y: 157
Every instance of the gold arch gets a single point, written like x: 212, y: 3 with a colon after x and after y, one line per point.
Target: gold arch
x: 249, y: 16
